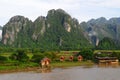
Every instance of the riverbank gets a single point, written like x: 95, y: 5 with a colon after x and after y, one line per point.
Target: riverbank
x: 71, y: 64
x: 28, y: 67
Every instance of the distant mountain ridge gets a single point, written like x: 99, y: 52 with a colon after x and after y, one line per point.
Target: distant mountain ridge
x: 97, y: 29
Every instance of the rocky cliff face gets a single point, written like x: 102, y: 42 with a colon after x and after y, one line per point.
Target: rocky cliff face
x: 39, y: 27
x: 97, y: 29
x: 1, y: 33
x: 57, y: 30
x: 17, y: 27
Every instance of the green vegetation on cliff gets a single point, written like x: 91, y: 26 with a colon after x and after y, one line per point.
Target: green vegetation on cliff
x: 106, y: 44
x: 57, y: 31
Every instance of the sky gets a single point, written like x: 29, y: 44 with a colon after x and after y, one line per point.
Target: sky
x: 83, y: 10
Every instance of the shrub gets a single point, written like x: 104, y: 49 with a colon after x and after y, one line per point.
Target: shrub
x: 37, y: 58
x: 116, y: 54
x: 51, y: 55
x: 13, y: 56
x: 20, y: 55
x: 3, y: 58
x: 87, y: 54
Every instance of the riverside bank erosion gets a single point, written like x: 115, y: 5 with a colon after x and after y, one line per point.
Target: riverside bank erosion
x: 19, y: 70
x: 34, y: 69
x: 72, y: 73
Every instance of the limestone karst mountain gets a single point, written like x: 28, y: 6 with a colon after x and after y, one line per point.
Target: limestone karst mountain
x: 58, y: 30
x: 97, y: 29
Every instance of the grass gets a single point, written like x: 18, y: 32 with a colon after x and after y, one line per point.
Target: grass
x: 16, y: 65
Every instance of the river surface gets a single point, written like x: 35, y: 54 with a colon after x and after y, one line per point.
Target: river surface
x: 74, y: 73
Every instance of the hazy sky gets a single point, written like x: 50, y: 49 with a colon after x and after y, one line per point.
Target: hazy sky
x: 83, y: 10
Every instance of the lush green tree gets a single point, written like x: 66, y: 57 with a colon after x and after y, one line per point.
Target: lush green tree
x: 87, y: 54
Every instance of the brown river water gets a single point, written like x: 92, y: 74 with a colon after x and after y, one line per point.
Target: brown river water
x: 74, y: 73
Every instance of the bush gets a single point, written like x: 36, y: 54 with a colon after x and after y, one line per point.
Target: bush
x: 87, y: 54
x: 3, y: 58
x: 20, y: 55
x: 37, y: 58
x: 51, y: 55
x: 116, y: 54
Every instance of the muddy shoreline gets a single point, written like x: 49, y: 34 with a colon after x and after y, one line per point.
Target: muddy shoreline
x: 21, y: 70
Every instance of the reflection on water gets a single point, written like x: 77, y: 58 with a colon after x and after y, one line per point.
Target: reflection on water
x: 75, y: 73
x: 114, y: 65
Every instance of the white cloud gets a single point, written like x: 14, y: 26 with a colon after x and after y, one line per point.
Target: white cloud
x: 111, y: 3
x: 81, y: 9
